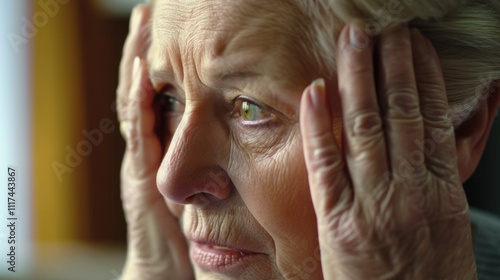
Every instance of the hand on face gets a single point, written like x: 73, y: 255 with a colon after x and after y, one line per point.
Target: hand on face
x: 156, y: 246
x: 389, y: 202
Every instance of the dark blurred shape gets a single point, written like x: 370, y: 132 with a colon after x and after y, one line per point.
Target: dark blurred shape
x: 102, y: 37
x: 483, y: 187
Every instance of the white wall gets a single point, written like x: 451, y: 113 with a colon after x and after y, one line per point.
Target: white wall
x: 15, y: 134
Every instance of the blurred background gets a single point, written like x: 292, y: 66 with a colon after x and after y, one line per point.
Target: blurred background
x: 59, y: 72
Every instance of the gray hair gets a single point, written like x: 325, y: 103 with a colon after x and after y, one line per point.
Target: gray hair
x: 465, y: 34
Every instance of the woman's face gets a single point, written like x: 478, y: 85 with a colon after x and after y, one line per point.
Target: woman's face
x: 231, y: 75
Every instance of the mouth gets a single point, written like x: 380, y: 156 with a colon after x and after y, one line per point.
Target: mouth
x: 233, y: 249
x: 221, y: 257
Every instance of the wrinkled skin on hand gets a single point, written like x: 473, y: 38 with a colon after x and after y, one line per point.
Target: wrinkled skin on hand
x: 388, y: 207
x: 156, y: 246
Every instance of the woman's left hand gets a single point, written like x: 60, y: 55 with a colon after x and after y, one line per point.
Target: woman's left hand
x: 389, y: 201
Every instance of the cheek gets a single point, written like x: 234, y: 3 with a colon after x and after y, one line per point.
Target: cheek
x: 279, y: 200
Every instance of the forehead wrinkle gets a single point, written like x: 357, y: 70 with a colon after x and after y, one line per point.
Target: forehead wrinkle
x: 163, y: 65
x: 185, y: 31
x: 162, y: 53
x: 202, y: 35
x: 256, y: 27
x: 279, y: 29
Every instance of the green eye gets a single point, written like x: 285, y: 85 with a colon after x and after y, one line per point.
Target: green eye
x: 250, y: 111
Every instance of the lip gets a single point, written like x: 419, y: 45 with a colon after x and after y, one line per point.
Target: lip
x: 216, y: 248
x: 221, y: 257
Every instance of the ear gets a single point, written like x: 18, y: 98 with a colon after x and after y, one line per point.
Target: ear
x: 472, y: 135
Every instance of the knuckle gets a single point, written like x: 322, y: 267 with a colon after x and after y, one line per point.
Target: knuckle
x: 121, y: 106
x: 436, y: 112
x: 326, y: 159
x: 435, y: 107
x: 324, y: 154
x: 133, y: 139
x: 403, y: 102
x: 122, y: 115
x: 364, y: 124
x: 132, y: 111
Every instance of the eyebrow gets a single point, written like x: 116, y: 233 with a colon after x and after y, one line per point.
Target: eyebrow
x: 159, y: 76
x: 232, y: 74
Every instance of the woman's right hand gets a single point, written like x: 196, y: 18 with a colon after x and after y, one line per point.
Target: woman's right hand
x: 156, y: 246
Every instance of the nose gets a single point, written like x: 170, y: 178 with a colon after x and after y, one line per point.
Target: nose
x: 192, y: 170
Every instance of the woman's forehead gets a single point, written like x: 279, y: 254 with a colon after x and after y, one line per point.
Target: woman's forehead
x: 224, y: 15
x: 216, y: 28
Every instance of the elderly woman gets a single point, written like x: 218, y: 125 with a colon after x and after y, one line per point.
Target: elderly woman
x: 299, y: 139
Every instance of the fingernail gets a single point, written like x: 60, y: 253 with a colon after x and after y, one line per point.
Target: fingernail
x: 137, y: 66
x: 125, y: 130
x: 317, y: 93
x: 358, y: 38
x: 314, y: 117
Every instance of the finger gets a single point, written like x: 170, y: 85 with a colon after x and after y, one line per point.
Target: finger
x: 142, y: 143
x: 155, y: 239
x: 143, y: 153
x: 439, y: 142
x: 438, y: 145
x: 364, y: 140
x: 400, y: 104
x: 134, y: 46
x: 324, y: 160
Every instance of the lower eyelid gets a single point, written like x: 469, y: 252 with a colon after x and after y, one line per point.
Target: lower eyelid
x: 268, y: 121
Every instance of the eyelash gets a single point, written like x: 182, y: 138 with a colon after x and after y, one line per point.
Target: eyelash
x: 167, y: 100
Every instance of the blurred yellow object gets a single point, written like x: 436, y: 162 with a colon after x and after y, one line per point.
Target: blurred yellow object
x: 58, y: 119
